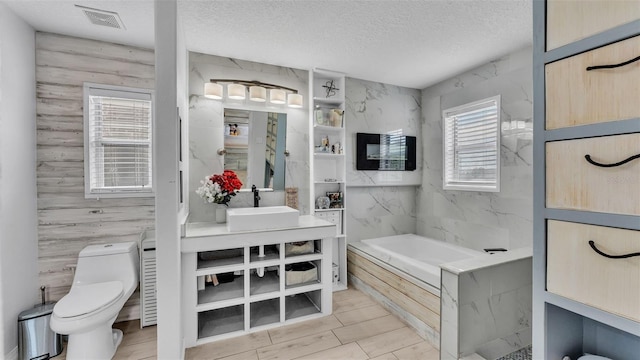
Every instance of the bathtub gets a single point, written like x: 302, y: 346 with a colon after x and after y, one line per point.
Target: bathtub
x: 414, y: 255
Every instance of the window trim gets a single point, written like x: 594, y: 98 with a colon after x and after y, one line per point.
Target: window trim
x: 105, y: 90
x: 467, y: 185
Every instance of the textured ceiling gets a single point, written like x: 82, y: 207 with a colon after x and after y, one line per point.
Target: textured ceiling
x: 407, y: 43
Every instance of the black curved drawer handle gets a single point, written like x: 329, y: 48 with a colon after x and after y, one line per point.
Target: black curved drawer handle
x: 592, y: 162
x: 613, y: 65
x: 593, y: 246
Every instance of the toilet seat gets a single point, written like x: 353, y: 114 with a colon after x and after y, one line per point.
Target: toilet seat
x: 85, y: 299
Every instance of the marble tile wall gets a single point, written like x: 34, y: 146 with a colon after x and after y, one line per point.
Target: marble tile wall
x: 479, y: 220
x: 380, y: 211
x: 380, y: 203
x: 206, y: 129
x: 379, y: 109
x: 486, y: 311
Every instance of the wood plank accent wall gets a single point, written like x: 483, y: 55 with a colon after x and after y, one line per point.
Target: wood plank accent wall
x: 67, y: 222
x: 415, y: 300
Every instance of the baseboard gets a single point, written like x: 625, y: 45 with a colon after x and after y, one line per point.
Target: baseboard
x: 13, y: 354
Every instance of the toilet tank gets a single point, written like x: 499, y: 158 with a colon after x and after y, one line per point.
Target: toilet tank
x: 108, y: 262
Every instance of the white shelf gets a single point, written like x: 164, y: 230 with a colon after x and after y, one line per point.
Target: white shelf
x: 328, y: 155
x: 250, y: 302
x: 220, y: 321
x: 264, y: 312
x: 292, y: 259
x: 330, y: 209
x: 299, y: 305
x: 219, y: 269
x: 303, y: 287
x: 221, y: 292
x: 328, y: 101
x: 220, y: 263
x: 328, y: 128
x: 268, y: 284
x: 329, y: 165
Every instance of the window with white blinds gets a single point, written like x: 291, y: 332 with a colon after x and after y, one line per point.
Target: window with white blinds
x: 118, y: 148
x: 471, y: 146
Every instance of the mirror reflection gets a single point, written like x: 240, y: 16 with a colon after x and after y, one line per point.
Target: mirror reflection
x: 255, y: 142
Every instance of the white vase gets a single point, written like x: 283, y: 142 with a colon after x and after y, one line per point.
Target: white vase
x: 221, y: 213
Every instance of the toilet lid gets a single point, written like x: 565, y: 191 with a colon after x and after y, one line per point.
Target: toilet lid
x: 84, y: 299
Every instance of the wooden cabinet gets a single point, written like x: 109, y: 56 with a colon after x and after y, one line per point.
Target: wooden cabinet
x: 586, y: 179
x: 575, y: 183
x: 569, y: 21
x: 328, y: 160
x: 243, y: 282
x: 576, y: 271
x: 577, y: 96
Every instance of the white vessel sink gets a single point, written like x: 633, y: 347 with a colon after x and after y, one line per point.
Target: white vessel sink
x: 261, y: 218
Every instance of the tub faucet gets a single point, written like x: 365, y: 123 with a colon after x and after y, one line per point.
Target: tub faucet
x: 256, y: 196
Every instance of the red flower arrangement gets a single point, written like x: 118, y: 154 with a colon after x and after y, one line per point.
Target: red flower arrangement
x: 219, y: 188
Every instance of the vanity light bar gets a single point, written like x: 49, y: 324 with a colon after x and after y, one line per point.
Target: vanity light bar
x: 277, y: 96
x: 257, y: 93
x: 213, y: 91
x: 295, y: 100
x: 237, y: 90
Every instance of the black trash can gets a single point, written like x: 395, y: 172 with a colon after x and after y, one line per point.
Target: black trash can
x: 36, y: 340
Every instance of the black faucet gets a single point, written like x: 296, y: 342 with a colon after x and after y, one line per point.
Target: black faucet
x: 256, y: 196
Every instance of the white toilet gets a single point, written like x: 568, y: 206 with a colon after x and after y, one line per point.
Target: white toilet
x: 106, y: 275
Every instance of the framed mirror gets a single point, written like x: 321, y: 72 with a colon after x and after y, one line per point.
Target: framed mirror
x: 255, y: 142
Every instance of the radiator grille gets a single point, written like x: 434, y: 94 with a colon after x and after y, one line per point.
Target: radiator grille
x: 149, y: 308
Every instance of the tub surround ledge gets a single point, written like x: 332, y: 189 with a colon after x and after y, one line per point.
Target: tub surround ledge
x: 486, y: 305
x: 481, y: 262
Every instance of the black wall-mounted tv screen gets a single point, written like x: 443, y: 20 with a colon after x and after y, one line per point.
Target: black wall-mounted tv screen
x: 387, y: 152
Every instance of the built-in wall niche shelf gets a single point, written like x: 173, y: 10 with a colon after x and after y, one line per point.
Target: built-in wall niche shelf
x: 327, y: 160
x: 328, y: 119
x: 246, y: 292
x: 329, y: 182
x: 328, y: 155
x: 329, y: 210
x: 328, y: 129
x: 324, y: 101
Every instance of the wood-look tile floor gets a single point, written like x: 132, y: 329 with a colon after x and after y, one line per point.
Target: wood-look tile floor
x: 358, y: 329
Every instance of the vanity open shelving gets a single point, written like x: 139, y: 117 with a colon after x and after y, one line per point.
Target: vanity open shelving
x: 230, y: 289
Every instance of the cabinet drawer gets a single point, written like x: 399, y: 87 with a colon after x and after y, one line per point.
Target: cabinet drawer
x: 568, y: 21
x: 576, y: 271
x: 332, y: 217
x: 575, y: 96
x: 574, y: 183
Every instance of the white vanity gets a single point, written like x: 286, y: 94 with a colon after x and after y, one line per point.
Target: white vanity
x: 232, y: 283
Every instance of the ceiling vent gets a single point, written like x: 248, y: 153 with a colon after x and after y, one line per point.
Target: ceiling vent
x: 102, y: 17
